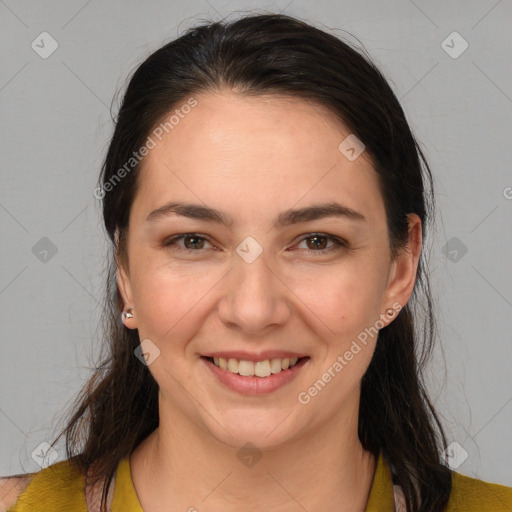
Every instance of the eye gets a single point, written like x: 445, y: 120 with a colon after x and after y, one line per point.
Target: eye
x: 192, y: 242
x: 319, y: 243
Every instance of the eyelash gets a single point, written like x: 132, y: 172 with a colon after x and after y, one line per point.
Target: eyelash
x: 337, y: 241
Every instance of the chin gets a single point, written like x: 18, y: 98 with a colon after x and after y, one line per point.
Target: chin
x: 264, y: 433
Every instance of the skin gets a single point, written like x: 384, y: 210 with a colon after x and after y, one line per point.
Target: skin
x: 253, y: 158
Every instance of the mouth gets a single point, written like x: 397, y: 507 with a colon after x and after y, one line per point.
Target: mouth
x: 261, y: 369
x: 255, y: 378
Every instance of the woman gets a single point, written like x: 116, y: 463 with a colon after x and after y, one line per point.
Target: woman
x: 266, y: 203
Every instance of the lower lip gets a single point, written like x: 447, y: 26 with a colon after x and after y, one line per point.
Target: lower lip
x: 255, y: 386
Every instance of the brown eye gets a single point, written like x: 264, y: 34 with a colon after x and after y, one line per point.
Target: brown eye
x: 318, y: 243
x: 191, y: 242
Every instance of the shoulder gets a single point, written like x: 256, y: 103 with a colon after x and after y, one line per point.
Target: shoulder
x: 11, y: 487
x: 60, y: 486
x: 471, y: 494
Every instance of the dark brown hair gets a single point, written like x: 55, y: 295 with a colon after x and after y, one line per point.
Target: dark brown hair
x: 274, y: 54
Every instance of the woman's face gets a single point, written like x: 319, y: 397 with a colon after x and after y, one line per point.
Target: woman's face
x: 312, y: 286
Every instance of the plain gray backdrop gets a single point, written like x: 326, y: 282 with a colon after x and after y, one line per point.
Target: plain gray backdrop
x: 55, y: 127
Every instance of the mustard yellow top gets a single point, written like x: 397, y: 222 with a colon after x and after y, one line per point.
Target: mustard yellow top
x: 60, y: 488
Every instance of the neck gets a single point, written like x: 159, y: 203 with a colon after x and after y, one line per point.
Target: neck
x: 180, y: 465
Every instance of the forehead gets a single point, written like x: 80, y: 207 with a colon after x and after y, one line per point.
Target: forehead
x: 254, y: 154
x: 242, y: 127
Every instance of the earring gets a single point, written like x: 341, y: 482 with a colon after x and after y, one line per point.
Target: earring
x: 127, y: 314
x: 389, y: 312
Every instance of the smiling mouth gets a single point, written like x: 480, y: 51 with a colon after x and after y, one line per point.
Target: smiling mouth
x: 261, y: 369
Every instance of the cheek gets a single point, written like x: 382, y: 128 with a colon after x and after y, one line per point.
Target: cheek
x: 345, y: 298
x: 169, y: 300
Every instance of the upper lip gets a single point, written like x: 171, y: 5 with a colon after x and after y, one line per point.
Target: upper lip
x: 260, y: 356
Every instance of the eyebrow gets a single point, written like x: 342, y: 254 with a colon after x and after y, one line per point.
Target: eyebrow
x: 286, y: 218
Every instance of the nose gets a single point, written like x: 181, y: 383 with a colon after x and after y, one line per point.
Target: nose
x: 255, y: 297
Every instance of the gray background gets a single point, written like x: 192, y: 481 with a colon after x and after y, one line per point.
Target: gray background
x: 55, y: 125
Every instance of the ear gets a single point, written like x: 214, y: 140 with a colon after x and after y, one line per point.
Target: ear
x: 402, y: 274
x: 125, y: 288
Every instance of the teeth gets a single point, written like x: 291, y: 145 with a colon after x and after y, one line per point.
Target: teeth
x: 259, y: 368
x: 232, y: 365
x: 262, y: 368
x: 246, y: 368
x: 275, y: 365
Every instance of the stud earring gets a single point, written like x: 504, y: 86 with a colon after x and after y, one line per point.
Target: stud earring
x: 127, y: 314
